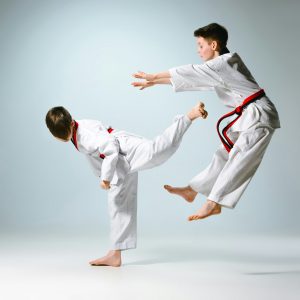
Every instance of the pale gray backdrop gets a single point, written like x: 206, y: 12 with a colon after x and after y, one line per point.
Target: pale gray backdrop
x: 81, y: 54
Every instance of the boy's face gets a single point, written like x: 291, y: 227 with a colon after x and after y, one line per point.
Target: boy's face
x: 206, y: 48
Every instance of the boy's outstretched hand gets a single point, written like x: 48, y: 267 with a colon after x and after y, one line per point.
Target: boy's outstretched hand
x: 151, y: 79
x: 143, y: 84
x: 105, y: 185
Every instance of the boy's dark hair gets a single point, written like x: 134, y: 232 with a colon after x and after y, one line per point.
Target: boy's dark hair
x: 214, y: 32
x: 59, y: 122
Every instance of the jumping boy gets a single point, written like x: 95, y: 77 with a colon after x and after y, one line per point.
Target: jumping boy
x: 116, y: 156
x: 246, y: 136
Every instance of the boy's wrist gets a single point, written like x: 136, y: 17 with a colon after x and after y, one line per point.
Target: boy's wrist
x: 154, y: 76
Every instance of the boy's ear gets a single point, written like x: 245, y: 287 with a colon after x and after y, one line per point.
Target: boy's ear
x: 73, y: 123
x: 214, y: 45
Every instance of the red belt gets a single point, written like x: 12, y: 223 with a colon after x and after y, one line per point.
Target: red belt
x: 110, y: 130
x: 228, y: 144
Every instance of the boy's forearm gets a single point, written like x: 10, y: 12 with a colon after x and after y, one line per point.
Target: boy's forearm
x: 161, y: 81
x: 161, y: 75
x: 108, y: 167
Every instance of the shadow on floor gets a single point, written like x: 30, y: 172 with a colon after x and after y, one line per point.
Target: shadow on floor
x: 273, y: 273
x: 162, y: 256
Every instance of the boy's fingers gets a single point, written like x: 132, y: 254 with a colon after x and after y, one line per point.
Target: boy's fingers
x: 136, y: 83
x: 139, y: 74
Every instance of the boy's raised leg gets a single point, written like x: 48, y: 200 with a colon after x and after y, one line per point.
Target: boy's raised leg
x: 152, y: 153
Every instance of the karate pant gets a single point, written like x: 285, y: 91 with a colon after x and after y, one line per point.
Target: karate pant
x: 228, y: 175
x: 141, y: 154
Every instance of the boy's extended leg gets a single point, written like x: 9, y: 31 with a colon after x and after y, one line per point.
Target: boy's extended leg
x: 151, y: 153
x: 122, y: 206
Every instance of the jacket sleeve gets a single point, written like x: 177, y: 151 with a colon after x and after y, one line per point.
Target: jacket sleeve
x: 110, y: 149
x: 194, y: 78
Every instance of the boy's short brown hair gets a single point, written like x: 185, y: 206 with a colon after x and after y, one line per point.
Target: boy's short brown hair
x: 59, y: 122
x: 214, y: 32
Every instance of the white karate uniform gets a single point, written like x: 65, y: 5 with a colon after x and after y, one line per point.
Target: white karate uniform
x: 125, y: 155
x: 227, y: 176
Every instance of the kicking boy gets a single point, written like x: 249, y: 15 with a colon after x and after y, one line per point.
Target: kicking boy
x: 246, y: 136
x: 116, y: 156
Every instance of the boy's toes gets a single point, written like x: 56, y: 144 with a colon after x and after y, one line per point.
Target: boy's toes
x: 167, y: 187
x: 191, y: 218
x: 194, y: 217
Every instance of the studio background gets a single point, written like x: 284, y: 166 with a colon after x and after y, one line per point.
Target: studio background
x: 81, y: 54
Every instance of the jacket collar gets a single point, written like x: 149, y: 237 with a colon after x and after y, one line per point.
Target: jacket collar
x: 74, y: 136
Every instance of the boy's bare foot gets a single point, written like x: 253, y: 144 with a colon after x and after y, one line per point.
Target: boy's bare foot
x: 186, y: 192
x: 112, y: 259
x: 197, y: 111
x: 209, y: 208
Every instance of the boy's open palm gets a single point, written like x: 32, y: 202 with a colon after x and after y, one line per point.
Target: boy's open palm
x: 143, y: 84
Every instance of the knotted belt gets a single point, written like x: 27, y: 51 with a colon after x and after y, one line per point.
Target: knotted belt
x: 228, y: 144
